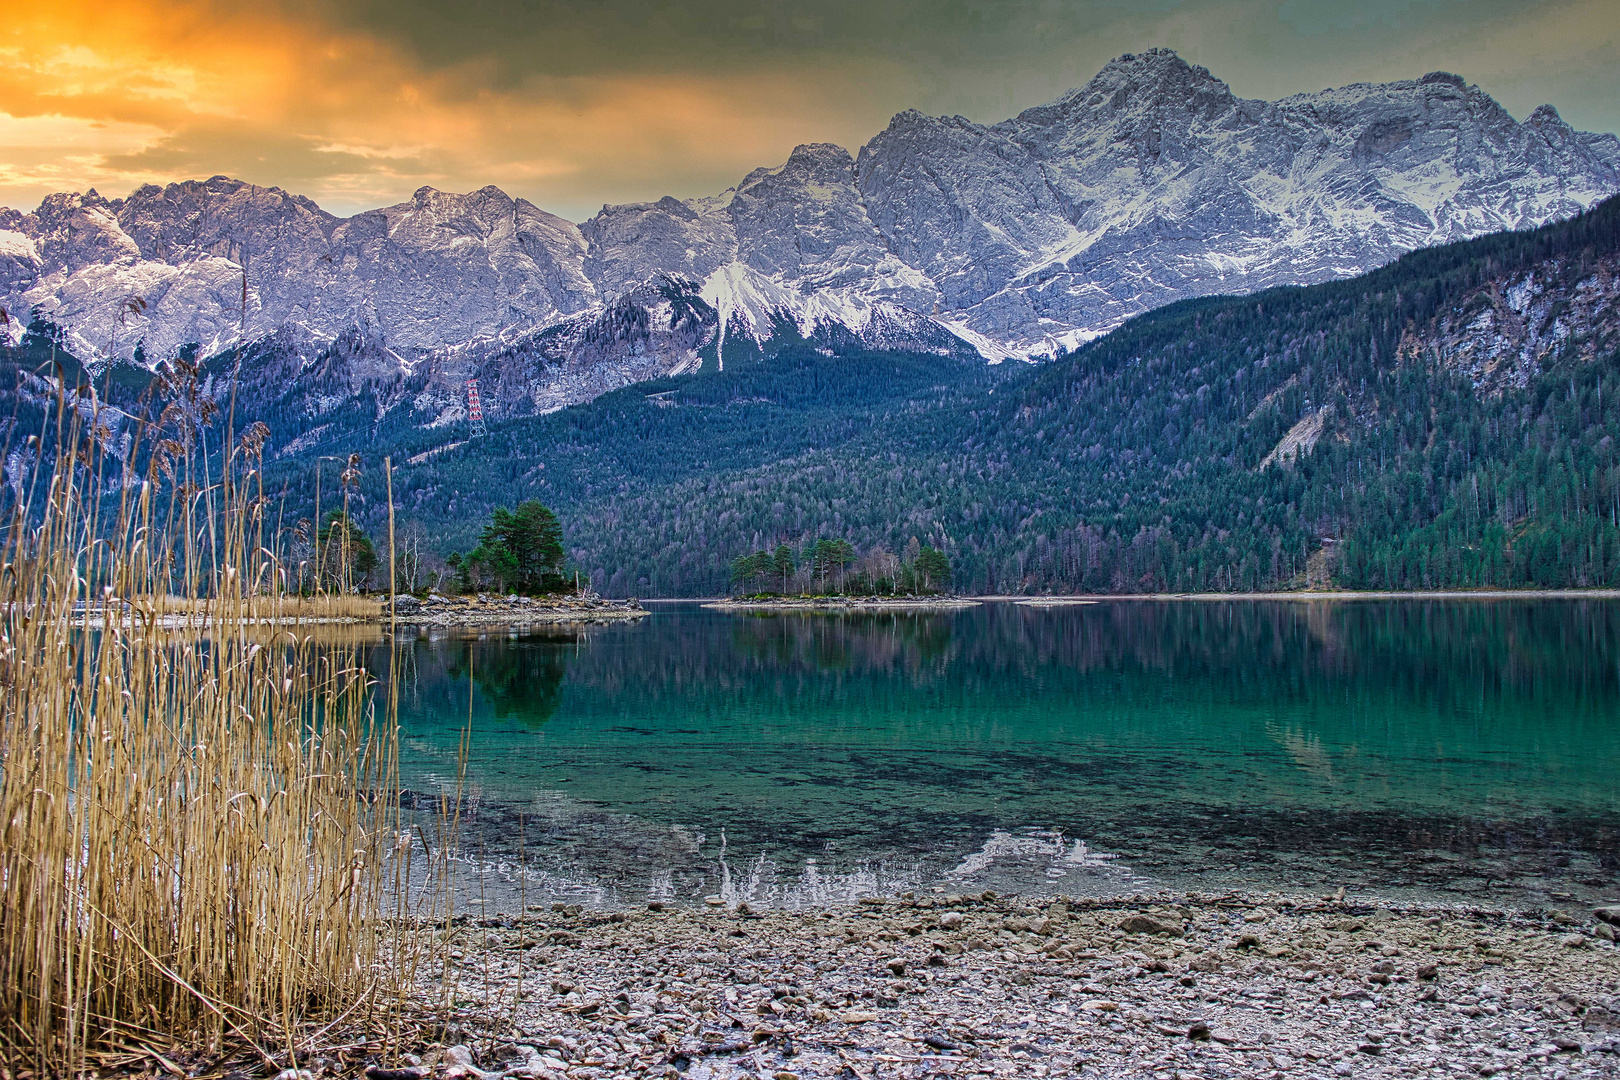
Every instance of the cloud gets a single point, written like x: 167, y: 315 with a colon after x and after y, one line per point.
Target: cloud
x: 358, y: 102
x: 170, y: 91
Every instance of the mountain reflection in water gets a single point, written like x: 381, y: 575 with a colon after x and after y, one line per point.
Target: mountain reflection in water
x: 1461, y: 749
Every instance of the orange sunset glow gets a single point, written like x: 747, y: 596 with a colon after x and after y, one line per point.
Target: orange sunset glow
x: 114, y: 96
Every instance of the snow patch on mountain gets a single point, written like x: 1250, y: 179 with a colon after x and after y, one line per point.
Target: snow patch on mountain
x: 758, y: 307
x: 14, y: 245
x: 746, y: 304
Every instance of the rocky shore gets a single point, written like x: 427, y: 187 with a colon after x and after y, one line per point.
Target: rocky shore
x: 846, y: 603
x: 911, y: 987
x: 486, y: 609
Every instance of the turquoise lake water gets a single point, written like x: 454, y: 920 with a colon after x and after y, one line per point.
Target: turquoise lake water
x: 1461, y: 750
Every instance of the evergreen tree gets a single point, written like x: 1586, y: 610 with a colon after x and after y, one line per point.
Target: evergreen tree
x: 746, y: 570
x: 782, y: 564
x: 828, y: 557
x: 933, y: 569
x: 518, y: 551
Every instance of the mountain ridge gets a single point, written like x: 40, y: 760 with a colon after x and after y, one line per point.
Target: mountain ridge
x: 1151, y: 183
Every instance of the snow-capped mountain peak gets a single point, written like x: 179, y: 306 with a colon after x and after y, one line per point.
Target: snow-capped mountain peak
x: 1150, y: 183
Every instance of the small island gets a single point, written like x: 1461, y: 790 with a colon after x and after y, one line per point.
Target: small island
x: 827, y: 574
x: 484, y: 609
x: 517, y: 574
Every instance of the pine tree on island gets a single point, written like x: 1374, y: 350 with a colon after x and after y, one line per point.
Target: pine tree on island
x: 933, y: 568
x: 519, y: 551
x: 824, y: 564
x: 782, y: 564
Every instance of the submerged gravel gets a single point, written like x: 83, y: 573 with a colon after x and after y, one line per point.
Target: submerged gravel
x: 511, y: 612
x: 912, y: 987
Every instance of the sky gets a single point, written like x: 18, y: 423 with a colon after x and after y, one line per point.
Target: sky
x: 572, y: 104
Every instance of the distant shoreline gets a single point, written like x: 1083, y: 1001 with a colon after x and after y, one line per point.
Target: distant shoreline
x: 838, y: 603
x: 1078, y: 599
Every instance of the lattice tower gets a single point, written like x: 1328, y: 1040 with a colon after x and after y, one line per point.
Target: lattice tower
x: 475, y: 412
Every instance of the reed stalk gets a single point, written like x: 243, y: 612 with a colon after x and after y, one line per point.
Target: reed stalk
x: 193, y: 852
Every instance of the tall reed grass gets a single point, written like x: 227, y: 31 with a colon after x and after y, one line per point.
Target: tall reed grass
x: 192, y: 851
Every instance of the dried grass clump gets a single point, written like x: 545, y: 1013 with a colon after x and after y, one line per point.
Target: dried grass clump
x: 289, y: 606
x: 326, y: 606
x: 191, y: 848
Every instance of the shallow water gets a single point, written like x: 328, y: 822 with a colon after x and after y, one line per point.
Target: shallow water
x: 1461, y: 750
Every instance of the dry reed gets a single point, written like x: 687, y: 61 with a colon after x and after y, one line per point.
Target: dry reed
x: 290, y: 606
x: 191, y: 850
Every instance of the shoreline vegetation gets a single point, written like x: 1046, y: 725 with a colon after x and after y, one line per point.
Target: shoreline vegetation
x: 512, y: 610
x: 193, y: 865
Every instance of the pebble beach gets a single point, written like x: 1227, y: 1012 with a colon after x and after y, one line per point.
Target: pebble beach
x: 1168, y: 987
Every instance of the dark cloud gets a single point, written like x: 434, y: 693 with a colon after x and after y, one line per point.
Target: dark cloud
x: 562, y: 38
x: 986, y: 58
x: 989, y: 58
x: 267, y: 157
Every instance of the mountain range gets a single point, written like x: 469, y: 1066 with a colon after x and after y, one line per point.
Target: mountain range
x: 1450, y: 420
x: 1152, y: 183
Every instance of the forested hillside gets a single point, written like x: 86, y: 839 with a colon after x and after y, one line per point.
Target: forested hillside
x: 1446, y: 421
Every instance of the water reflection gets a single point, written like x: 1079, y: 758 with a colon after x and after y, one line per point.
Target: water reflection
x: 915, y: 642
x: 1462, y: 748
x: 518, y: 675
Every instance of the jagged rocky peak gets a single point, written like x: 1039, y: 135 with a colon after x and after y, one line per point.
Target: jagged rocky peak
x: 535, y: 255
x: 1561, y: 139
x: 73, y: 231
x: 219, y: 216
x: 820, y: 172
x: 805, y: 221
x: 447, y: 268
x: 963, y: 203
x: 1546, y: 116
x: 627, y: 244
x: 1149, y: 82
x: 433, y: 215
x: 434, y: 220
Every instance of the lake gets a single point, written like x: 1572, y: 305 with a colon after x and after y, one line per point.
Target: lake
x: 1461, y: 750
